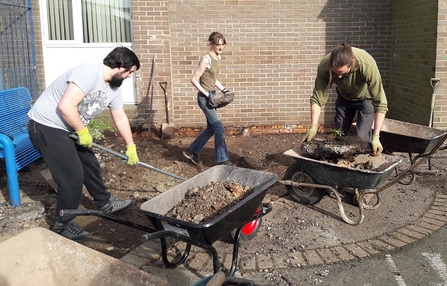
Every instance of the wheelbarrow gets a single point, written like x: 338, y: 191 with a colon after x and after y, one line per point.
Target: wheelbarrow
x: 404, y: 137
x: 308, y: 180
x: 245, y: 212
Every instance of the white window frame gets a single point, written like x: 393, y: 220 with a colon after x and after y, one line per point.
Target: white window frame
x: 77, y: 29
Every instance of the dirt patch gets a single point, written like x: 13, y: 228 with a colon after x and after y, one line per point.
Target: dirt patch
x: 202, y: 205
x: 290, y: 228
x: 263, y: 153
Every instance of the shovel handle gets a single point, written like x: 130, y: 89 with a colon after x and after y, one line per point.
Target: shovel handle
x: 163, y: 85
x: 147, y: 166
x: 217, y: 280
x: 124, y: 157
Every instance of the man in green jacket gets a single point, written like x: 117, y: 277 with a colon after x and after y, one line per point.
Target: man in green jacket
x: 359, y: 89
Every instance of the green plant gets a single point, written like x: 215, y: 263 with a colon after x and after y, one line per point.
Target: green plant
x: 336, y: 133
x: 99, y: 125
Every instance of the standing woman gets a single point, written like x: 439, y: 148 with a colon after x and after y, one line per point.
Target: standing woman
x: 205, y: 79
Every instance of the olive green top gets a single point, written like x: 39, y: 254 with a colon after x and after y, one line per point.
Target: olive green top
x: 364, y: 82
x: 209, y: 76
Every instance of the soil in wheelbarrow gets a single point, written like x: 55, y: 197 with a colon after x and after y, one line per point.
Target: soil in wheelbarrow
x: 202, y: 205
x: 329, y: 147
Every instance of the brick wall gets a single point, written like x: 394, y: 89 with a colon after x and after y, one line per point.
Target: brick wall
x: 151, y: 39
x: 413, y: 61
x: 272, y: 53
x: 273, y: 49
x: 440, y: 114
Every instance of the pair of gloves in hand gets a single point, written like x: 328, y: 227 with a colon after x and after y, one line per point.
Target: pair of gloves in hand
x: 85, y: 140
x: 375, y: 142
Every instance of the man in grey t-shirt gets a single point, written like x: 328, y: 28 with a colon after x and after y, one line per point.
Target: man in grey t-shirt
x: 66, y: 107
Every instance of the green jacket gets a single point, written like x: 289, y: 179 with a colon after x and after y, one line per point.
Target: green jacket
x: 365, y: 82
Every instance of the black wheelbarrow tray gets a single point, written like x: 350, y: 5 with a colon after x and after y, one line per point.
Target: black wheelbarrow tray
x: 404, y: 137
x: 248, y: 210
x: 307, y: 180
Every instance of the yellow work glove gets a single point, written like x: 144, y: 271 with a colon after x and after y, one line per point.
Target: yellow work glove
x: 376, y: 145
x: 84, y: 138
x: 311, y: 133
x: 131, y: 153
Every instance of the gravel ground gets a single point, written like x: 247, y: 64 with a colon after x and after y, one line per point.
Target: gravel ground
x: 288, y: 229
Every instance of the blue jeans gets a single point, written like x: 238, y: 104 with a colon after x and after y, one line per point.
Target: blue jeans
x: 214, y: 126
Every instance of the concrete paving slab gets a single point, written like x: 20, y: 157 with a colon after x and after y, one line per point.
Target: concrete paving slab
x: 38, y: 256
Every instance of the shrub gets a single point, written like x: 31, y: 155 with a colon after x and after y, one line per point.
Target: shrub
x: 100, y: 125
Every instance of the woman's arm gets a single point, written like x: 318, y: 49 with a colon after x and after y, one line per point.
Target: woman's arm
x: 198, y: 73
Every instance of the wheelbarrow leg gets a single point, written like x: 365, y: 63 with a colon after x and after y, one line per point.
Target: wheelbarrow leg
x: 237, y: 236
x: 162, y: 236
x: 360, y: 195
x: 342, y: 210
x: 337, y: 197
x: 164, y: 254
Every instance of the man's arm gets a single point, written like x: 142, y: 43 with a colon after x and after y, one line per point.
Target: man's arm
x: 379, y: 118
x: 375, y: 87
x: 68, y: 106
x: 315, y: 111
x: 122, y: 124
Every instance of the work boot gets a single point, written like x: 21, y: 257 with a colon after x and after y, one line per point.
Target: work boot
x: 227, y: 163
x: 114, y: 205
x: 195, y: 158
x: 70, y: 230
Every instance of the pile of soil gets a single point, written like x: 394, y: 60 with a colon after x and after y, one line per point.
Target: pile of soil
x: 202, y: 205
x: 327, y: 147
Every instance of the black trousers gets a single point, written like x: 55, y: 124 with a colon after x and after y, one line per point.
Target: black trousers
x: 71, y: 166
x: 345, y: 112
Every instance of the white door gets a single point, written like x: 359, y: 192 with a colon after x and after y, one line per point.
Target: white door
x: 84, y: 31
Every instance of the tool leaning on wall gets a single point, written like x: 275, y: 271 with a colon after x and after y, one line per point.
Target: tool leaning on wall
x: 167, y: 129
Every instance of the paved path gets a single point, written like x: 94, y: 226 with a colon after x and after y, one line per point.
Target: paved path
x: 147, y: 256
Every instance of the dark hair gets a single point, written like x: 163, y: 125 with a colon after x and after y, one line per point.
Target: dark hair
x: 340, y: 56
x: 121, y: 57
x: 215, y: 37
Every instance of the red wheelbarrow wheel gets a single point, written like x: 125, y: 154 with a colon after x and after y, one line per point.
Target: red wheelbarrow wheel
x: 248, y: 230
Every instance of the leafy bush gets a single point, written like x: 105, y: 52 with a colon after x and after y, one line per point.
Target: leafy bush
x: 99, y: 125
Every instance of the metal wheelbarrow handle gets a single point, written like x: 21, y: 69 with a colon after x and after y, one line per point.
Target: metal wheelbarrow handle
x: 108, y: 216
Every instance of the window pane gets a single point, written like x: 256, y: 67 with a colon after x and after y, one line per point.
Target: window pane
x: 60, y: 20
x: 106, y: 21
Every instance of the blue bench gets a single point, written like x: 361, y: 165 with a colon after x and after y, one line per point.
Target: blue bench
x: 15, y: 145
